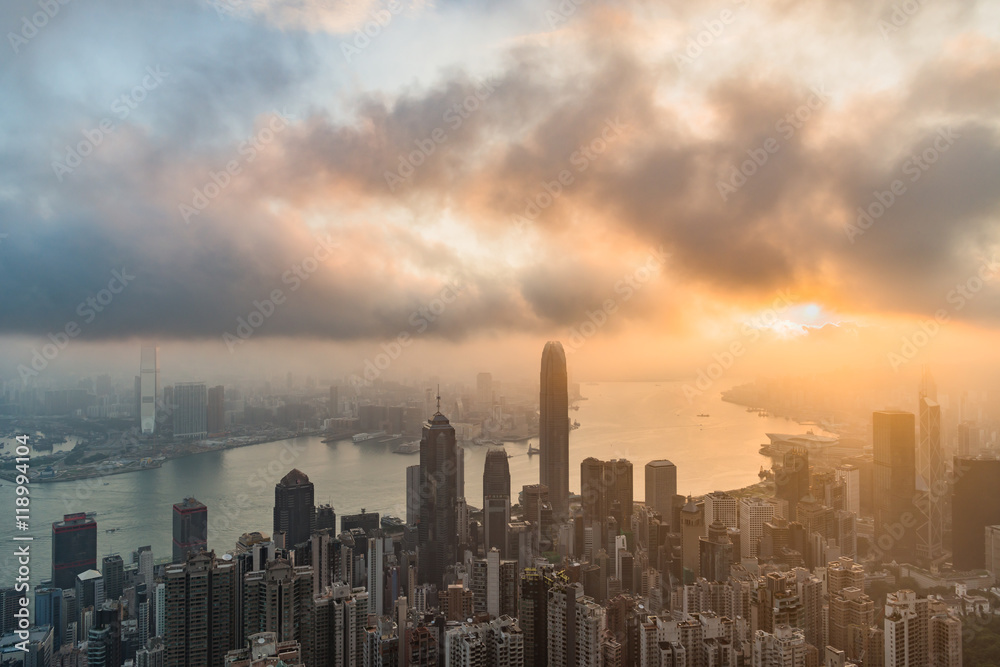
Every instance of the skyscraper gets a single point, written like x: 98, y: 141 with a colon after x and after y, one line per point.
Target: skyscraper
x: 791, y: 479
x: 532, y: 614
x: 661, y: 487
x: 975, y: 505
x: 786, y: 647
x: 895, y: 482
x: 919, y: 631
x: 74, y: 548
x: 190, y: 529
x: 366, y: 521
x: 89, y: 587
x: 601, y: 484
x: 553, y: 425
x: 721, y: 507
x: 754, y: 513
x: 49, y: 610
x: 412, y: 494
x: 439, y: 494
x: 692, y: 528
x: 496, y: 500
x: 575, y: 627
x: 200, y: 610
x: 851, y: 612
x: 294, y: 508
x: 113, y: 571
x: 992, y: 539
x: 850, y: 475
x: 716, y: 552
x: 216, y: 409
x: 326, y: 518
x: 278, y: 599
x: 190, y: 410
x: 931, y: 473
x: 149, y: 388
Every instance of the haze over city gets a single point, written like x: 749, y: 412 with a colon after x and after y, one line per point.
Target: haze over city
x: 617, y: 333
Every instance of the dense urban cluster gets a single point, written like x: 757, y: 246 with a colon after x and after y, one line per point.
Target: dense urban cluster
x: 816, y: 566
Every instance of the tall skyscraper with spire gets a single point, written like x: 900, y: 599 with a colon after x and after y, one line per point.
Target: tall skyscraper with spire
x: 437, y: 531
x: 553, y: 425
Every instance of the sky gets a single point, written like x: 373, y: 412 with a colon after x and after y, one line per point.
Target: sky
x: 262, y: 184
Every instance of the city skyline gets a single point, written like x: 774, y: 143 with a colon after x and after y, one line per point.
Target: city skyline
x: 521, y: 333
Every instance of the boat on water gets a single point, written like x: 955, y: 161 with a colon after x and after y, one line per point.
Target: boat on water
x: 389, y: 521
x: 533, y: 450
x: 704, y: 415
x: 407, y: 448
x: 363, y: 437
x: 575, y: 425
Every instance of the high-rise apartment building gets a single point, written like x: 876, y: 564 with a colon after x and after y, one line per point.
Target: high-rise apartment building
x: 532, y: 613
x: 851, y: 614
x: 279, y: 599
x: 340, y: 619
x: 785, y: 647
x: 919, y: 631
x: 553, y: 425
x: 576, y: 625
x: 498, y: 643
x: 199, y: 615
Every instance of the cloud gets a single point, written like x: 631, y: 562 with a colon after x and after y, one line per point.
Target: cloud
x: 542, y: 108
